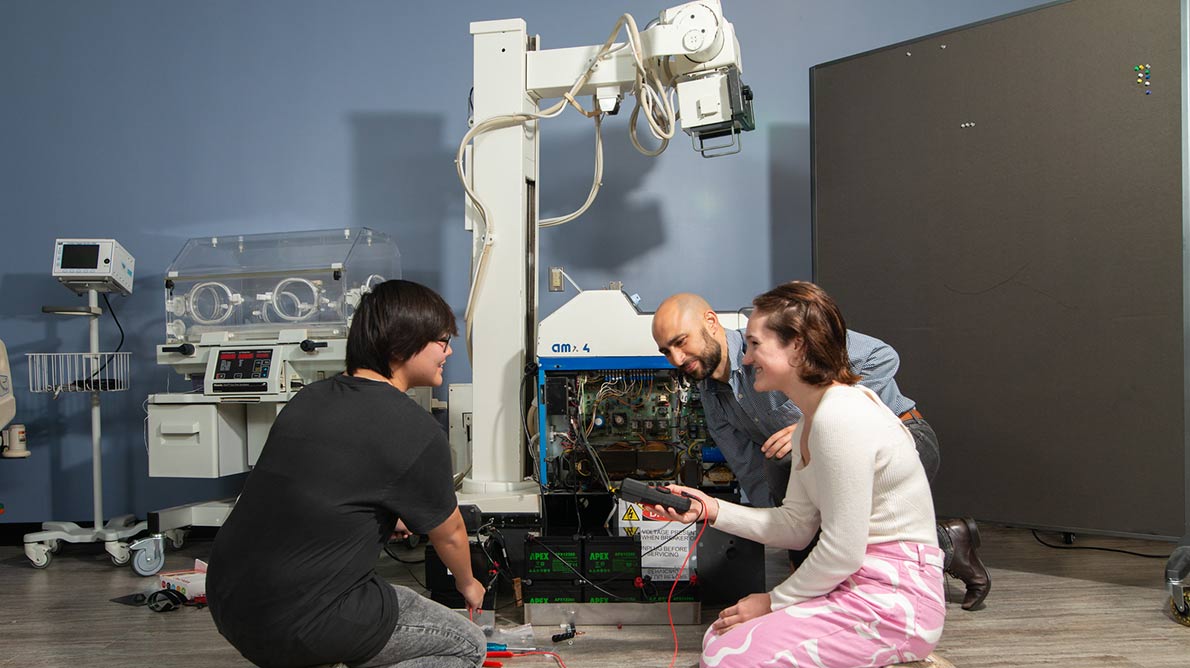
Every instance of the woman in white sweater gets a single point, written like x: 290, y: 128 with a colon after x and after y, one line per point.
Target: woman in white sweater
x: 871, y: 591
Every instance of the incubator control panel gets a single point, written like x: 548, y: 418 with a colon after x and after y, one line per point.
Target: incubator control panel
x: 244, y: 371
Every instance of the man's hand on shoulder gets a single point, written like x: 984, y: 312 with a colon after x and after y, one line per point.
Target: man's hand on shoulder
x: 779, y: 444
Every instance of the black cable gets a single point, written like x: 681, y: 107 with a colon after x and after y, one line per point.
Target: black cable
x: 113, y: 312
x: 585, y: 578
x: 501, y: 567
x: 389, y: 552
x: 410, y: 570
x: 530, y: 371
x: 578, y: 513
x: 1101, y: 549
x: 659, y: 545
x: 108, y: 356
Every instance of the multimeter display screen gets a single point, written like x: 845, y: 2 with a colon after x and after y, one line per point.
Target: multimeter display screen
x: 80, y: 256
x: 243, y: 364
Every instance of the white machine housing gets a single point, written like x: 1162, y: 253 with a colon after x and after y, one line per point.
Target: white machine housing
x: 221, y: 431
x: 512, y: 75
x: 99, y: 264
x: 605, y: 323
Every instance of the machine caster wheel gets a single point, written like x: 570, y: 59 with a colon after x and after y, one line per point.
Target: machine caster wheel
x: 147, y: 562
x: 118, y: 551
x: 177, y: 538
x: 39, y: 555
x: 1180, y: 617
x: 54, y: 546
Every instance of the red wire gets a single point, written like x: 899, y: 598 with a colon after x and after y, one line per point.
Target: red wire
x: 552, y: 655
x: 669, y: 599
x: 668, y: 608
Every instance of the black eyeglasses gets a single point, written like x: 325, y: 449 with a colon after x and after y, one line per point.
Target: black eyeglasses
x: 445, y: 341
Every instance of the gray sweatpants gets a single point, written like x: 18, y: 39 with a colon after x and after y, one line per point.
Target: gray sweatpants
x: 429, y: 635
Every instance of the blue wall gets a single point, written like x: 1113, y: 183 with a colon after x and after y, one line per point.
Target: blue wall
x: 153, y: 122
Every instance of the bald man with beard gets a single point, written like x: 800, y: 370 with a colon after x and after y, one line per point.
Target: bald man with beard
x: 754, y: 430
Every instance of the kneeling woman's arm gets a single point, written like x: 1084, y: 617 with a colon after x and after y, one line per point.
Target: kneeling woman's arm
x: 450, y: 541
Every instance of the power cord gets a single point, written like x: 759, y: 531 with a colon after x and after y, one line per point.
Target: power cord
x: 406, y: 564
x: 1101, y: 549
x: 117, y: 320
x: 91, y: 382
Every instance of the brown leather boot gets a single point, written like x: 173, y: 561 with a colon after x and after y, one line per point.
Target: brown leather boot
x: 959, y: 538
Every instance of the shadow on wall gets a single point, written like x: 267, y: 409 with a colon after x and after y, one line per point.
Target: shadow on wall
x: 403, y: 183
x: 791, y: 236
x: 620, y: 226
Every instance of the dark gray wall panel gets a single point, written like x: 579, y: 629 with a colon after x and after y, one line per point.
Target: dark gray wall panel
x: 1028, y: 267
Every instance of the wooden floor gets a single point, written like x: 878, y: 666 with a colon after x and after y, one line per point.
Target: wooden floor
x: 1048, y: 607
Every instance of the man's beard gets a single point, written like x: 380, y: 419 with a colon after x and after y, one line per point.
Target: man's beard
x: 709, y: 360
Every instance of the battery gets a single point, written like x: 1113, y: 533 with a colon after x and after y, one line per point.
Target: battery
x: 553, y: 591
x: 657, y: 591
x: 607, y: 556
x: 612, y: 566
x: 553, y: 558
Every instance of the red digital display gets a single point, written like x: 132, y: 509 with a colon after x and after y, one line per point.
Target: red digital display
x: 244, y: 364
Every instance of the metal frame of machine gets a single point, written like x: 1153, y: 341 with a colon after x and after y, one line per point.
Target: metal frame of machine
x: 690, y: 49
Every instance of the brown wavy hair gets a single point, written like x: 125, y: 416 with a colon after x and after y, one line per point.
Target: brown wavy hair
x: 800, y: 310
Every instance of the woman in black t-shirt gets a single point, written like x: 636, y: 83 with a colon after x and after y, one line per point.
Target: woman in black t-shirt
x: 350, y: 459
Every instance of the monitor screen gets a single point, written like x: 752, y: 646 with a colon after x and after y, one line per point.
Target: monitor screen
x: 80, y: 256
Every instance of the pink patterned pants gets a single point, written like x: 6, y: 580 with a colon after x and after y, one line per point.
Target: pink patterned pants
x: 890, y: 611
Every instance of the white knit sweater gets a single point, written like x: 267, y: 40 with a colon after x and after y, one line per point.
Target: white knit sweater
x: 864, y: 485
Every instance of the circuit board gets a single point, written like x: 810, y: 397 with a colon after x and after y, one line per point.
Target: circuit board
x: 604, y: 426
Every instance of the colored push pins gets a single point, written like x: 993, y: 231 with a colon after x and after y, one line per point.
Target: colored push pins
x: 1143, y: 76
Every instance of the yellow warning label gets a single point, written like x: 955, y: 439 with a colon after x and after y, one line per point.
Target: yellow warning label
x: 631, y: 531
x: 631, y: 515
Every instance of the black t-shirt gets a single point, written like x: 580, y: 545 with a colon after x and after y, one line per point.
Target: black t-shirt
x: 291, y: 579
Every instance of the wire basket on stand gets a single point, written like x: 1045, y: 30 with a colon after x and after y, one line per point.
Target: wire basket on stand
x: 78, y: 372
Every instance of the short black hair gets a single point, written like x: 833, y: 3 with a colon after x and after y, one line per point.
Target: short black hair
x: 393, y: 323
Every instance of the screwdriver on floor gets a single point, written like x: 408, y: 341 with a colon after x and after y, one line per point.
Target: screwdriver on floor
x: 501, y: 647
